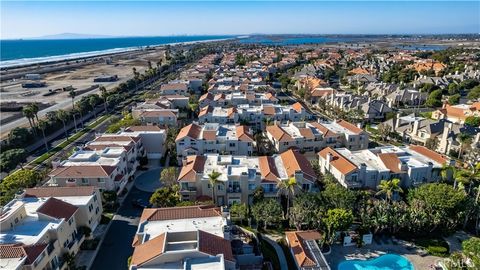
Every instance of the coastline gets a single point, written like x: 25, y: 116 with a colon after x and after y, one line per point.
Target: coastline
x: 24, y: 62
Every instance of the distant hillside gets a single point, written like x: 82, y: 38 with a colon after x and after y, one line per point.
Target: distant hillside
x: 71, y: 36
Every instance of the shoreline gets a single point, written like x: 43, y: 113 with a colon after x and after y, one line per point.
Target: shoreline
x: 25, y: 62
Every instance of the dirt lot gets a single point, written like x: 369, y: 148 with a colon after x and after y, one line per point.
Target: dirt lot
x: 79, y: 78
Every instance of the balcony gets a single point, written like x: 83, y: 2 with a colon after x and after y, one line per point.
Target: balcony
x: 234, y: 190
x: 188, y: 189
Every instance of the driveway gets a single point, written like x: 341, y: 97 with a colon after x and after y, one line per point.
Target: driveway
x: 149, y: 181
x: 117, y: 245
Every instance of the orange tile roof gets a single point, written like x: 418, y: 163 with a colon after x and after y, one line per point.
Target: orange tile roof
x: 57, y: 209
x: 85, y: 171
x: 278, y: 133
x: 192, y: 131
x: 293, y: 162
x: 148, y: 250
x: 306, y: 133
x: 184, y: 212
x: 144, y: 128
x: 301, y: 253
x: 205, y: 96
x: 116, y: 138
x: 158, y: 113
x: 210, y: 135
x: 213, y: 245
x: 338, y: 161
x: 193, y: 165
x: 205, y: 110
x: 391, y: 161
x: 359, y: 70
x: 429, y: 153
x: 19, y: 251
x: 41, y: 192
x: 350, y: 126
x: 268, y: 170
x: 298, y: 107
x: 268, y: 110
x: 243, y: 134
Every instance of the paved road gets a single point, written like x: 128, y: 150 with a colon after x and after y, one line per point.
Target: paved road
x: 117, y: 245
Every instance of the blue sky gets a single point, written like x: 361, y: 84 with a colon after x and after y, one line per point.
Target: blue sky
x: 158, y: 18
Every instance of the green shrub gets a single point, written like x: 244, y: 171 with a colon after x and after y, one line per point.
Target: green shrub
x: 437, y: 251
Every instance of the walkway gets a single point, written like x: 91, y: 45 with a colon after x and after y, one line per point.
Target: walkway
x: 281, y: 256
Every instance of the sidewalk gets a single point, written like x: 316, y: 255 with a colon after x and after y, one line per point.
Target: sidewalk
x: 278, y: 249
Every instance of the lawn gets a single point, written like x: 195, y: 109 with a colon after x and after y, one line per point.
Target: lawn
x: 269, y: 254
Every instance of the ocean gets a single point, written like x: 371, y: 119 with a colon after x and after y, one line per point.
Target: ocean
x: 16, y: 52
x: 292, y: 40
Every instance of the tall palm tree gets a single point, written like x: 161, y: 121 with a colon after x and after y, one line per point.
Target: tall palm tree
x: 288, y: 188
x: 92, y: 101
x: 213, y: 179
x: 389, y: 187
x: 42, y: 125
x: 63, y: 116
x: 103, y: 92
x: 72, y: 94
x: 35, y: 109
x: 28, y: 113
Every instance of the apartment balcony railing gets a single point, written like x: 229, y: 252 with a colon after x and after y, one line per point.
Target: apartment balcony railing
x: 189, y: 189
x: 234, y: 190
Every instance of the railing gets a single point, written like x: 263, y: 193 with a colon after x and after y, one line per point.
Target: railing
x: 234, y: 190
x: 189, y: 189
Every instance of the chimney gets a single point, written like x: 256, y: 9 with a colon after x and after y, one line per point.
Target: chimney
x: 415, y: 126
x: 398, y: 121
x: 329, y: 159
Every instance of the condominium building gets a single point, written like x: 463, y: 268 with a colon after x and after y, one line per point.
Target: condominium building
x: 413, y: 165
x: 255, y: 116
x: 161, y: 117
x: 214, y: 138
x: 42, y: 225
x: 305, y: 250
x: 457, y: 113
x: 236, y: 98
x: 107, y: 169
x: 174, y: 88
x: 241, y: 175
x: 314, y: 136
x: 192, y: 237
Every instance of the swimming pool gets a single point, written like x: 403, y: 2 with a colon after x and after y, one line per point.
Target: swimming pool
x: 384, y: 262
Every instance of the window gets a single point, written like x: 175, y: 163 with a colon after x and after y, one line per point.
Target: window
x: 101, y: 180
x: 232, y: 144
x: 252, y: 186
x: 70, y: 221
x: 95, y: 198
x: 305, y: 187
x: 209, y: 186
x: 220, y: 187
x: 84, y: 181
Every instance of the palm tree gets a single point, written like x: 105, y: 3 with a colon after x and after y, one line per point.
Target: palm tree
x: 288, y: 188
x: 389, y: 187
x: 72, y: 94
x: 213, y: 180
x: 35, y: 109
x: 92, y: 101
x: 447, y: 171
x: 103, y: 92
x: 28, y: 113
x: 42, y: 125
x: 63, y: 116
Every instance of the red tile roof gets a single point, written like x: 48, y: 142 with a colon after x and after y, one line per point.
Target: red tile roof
x: 301, y: 252
x: 214, y: 245
x: 293, y: 162
x: 192, y: 131
x: 243, y: 134
x: 429, y: 154
x: 338, y: 161
x: 298, y: 107
x: 57, y: 209
x: 41, y: 192
x: 171, y: 213
x: 350, y: 126
x: 19, y: 251
x: 193, y: 165
x: 278, y: 133
x: 391, y: 161
x: 268, y: 170
x: 83, y: 171
x: 149, y: 250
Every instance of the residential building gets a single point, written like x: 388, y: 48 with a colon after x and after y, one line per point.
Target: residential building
x: 407, y: 97
x: 241, y: 175
x: 314, y: 136
x: 457, y: 113
x: 214, y: 138
x: 174, y: 88
x: 87, y: 199
x: 37, y: 232
x: 305, y: 250
x: 161, y: 117
x: 413, y: 165
x: 192, y: 237
x: 236, y: 98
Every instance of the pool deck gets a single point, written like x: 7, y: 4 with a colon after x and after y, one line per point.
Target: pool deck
x: 420, y: 262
